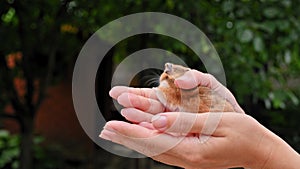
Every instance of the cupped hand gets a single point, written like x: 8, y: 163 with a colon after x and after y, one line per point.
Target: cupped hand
x: 239, y: 141
x: 145, y: 99
x: 173, y: 138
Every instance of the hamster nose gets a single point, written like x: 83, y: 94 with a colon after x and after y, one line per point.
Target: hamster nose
x: 168, y: 67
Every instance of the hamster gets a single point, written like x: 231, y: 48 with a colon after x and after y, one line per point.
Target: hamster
x: 196, y: 100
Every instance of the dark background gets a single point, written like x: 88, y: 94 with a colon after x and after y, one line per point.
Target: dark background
x: 258, y: 43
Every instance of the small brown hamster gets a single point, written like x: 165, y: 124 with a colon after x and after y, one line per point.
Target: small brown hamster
x: 197, y: 100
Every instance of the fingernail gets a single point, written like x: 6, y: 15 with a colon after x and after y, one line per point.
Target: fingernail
x: 104, y: 136
x: 107, y: 133
x: 159, y: 122
x: 182, y: 78
x: 111, y: 94
x: 108, y: 128
x: 124, y: 112
x: 180, y: 81
x: 125, y: 99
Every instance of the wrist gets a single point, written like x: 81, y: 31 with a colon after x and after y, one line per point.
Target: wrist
x: 283, y: 156
x: 274, y: 153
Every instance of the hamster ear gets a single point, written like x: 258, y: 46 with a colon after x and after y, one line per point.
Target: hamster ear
x: 168, y: 67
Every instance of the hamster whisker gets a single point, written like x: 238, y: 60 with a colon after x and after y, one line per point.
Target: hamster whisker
x: 152, y: 82
x: 152, y: 79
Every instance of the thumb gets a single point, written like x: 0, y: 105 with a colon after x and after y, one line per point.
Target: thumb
x: 194, y: 78
x: 182, y: 122
x: 188, y: 81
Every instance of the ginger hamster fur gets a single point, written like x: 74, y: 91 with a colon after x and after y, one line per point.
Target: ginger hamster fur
x: 197, y: 100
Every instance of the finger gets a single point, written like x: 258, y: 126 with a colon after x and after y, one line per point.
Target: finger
x: 147, y: 125
x: 116, y: 91
x: 138, y: 138
x: 140, y: 102
x: 194, y: 78
x: 135, y: 115
x: 184, y: 123
x: 129, y: 130
x: 168, y: 157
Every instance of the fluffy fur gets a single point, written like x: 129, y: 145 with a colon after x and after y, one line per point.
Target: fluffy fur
x: 197, y: 100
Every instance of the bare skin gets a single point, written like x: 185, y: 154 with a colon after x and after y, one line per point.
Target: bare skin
x: 238, y: 141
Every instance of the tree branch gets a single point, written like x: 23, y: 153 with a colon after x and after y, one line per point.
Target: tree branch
x: 45, y: 83
x: 31, y: 104
x: 51, y: 60
x: 27, y: 52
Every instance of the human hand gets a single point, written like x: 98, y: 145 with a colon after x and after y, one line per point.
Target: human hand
x: 145, y: 99
x: 195, y: 78
x: 238, y: 141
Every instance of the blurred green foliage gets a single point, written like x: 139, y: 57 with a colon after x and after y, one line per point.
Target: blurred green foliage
x: 9, y: 148
x: 10, y: 151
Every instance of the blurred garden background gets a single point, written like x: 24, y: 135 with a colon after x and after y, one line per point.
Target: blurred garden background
x: 258, y: 42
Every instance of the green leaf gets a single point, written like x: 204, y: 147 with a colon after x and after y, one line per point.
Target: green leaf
x: 246, y: 36
x: 293, y: 97
x: 287, y: 57
x: 283, y: 25
x: 267, y: 26
x: 14, y: 141
x: 170, y: 4
x: 8, y: 17
x: 258, y: 44
x: 278, y: 103
x: 228, y: 6
x: 2, y: 145
x: 268, y: 103
x: 15, y: 164
x: 38, y: 139
x: 4, y: 133
x: 271, y: 12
